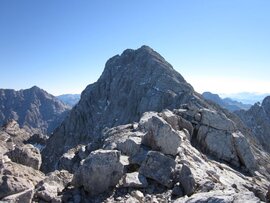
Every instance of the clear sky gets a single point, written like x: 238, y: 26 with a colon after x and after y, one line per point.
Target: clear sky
x: 221, y: 46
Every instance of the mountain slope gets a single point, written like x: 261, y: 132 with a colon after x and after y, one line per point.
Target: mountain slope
x: 257, y: 118
x: 131, y: 84
x: 226, y: 103
x: 32, y: 108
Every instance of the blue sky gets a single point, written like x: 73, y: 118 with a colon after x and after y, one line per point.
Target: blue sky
x: 62, y: 45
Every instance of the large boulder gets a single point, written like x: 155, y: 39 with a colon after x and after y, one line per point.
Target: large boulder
x: 187, y: 180
x: 244, y: 151
x: 160, y: 136
x: 159, y: 167
x: 100, y: 170
x: 27, y: 155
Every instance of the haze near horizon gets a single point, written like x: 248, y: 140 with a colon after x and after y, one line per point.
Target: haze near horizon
x: 62, y: 46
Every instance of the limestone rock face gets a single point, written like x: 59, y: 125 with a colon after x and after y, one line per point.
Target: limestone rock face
x: 99, y: 171
x: 257, y: 118
x: 32, y: 108
x: 132, y: 83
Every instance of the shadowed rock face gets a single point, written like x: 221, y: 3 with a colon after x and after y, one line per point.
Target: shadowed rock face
x: 131, y: 84
x: 257, y: 118
x: 32, y: 108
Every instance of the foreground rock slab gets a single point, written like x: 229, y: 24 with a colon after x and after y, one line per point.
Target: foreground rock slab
x: 100, y: 170
x: 158, y: 167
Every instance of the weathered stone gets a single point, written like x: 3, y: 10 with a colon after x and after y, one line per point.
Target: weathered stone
x: 159, y: 135
x: 27, y: 155
x: 216, y: 120
x: 10, y: 185
x: 244, y: 151
x: 257, y: 119
x: 134, y: 180
x: 187, y: 180
x: 132, y: 83
x: 24, y: 196
x: 100, y: 170
x: 158, y: 167
x: 34, y: 109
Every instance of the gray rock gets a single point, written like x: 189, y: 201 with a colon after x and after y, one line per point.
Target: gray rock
x: 244, y: 151
x: 159, y: 135
x: 27, y: 155
x: 216, y: 120
x: 218, y: 143
x: 99, y: 171
x: 257, y: 119
x: 24, y: 196
x: 134, y: 180
x: 177, y: 122
x: 132, y: 83
x: 187, y: 180
x: 10, y: 185
x: 34, y: 108
x: 159, y: 167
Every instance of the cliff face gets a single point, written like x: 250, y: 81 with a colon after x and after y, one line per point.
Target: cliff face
x: 32, y: 108
x: 257, y: 118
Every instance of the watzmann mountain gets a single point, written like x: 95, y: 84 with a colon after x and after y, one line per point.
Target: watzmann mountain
x: 139, y: 134
x: 32, y: 108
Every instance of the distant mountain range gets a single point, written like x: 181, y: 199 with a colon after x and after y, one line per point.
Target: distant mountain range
x: 70, y: 99
x: 32, y: 108
x: 226, y: 103
x: 246, y: 97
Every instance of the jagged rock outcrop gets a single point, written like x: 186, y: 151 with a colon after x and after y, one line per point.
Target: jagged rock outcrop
x: 132, y: 83
x: 170, y: 177
x: 32, y: 108
x: 257, y: 118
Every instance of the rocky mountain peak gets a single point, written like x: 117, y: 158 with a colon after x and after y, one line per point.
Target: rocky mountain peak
x: 143, y: 61
x: 132, y: 83
x: 32, y: 108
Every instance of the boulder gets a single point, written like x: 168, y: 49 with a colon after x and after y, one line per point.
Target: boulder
x: 218, y: 143
x: 27, y: 155
x: 134, y: 180
x: 10, y: 185
x: 53, y: 184
x: 244, y: 151
x: 159, y: 167
x: 216, y: 120
x: 24, y: 196
x: 160, y: 136
x: 100, y: 170
x: 187, y: 180
x: 177, y: 122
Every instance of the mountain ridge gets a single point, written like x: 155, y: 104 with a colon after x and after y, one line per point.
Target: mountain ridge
x: 33, y: 108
